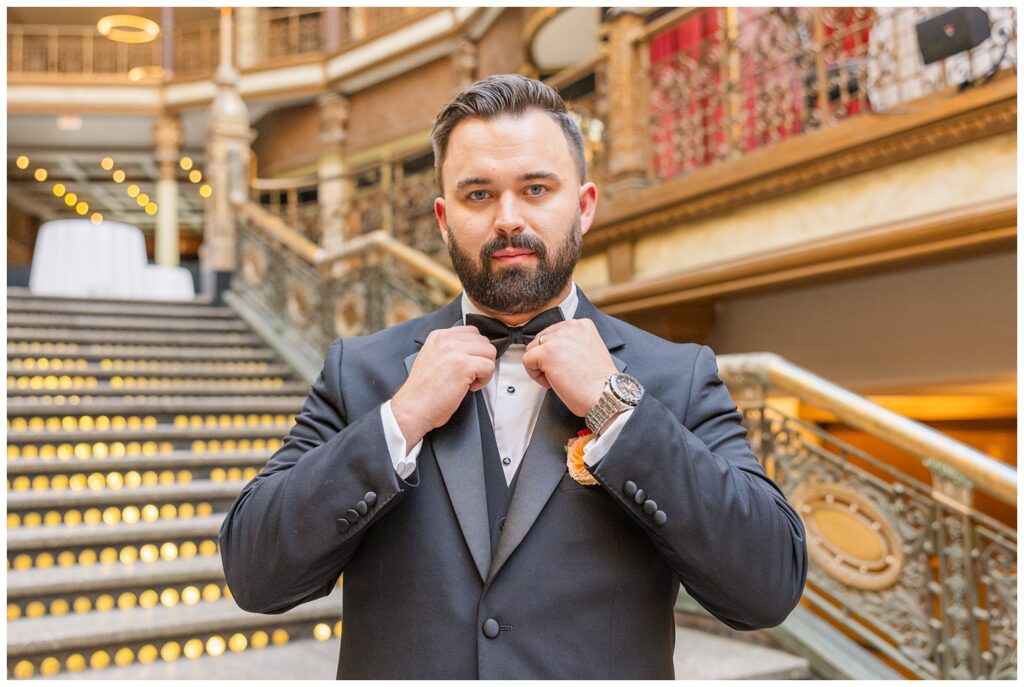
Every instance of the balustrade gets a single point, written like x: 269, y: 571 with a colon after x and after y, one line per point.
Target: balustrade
x: 74, y: 50
x: 911, y: 569
x: 725, y: 81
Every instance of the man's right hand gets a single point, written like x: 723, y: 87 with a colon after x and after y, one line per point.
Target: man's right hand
x: 452, y: 362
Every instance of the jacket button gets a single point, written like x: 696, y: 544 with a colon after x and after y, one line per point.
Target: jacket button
x: 370, y: 498
x: 650, y: 506
x: 491, y: 628
x: 362, y: 508
x: 342, y: 524
x: 351, y: 515
x: 640, y: 496
x: 629, y: 488
x: 660, y: 518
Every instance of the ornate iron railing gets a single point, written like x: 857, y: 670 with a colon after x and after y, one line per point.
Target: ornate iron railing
x: 293, y: 201
x: 912, y: 569
x: 368, y: 283
x: 74, y: 50
x: 196, y: 47
x: 725, y: 81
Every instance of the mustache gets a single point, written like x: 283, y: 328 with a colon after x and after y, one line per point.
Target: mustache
x: 522, y: 241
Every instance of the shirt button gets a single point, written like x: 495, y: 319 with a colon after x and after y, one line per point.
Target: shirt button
x: 510, y: 389
x: 506, y: 461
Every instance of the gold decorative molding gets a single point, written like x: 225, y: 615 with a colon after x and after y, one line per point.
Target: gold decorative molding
x: 859, y: 145
x: 986, y: 227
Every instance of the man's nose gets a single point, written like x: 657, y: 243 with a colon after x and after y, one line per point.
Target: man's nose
x: 509, y: 219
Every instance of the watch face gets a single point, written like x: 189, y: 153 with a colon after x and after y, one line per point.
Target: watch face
x: 627, y: 388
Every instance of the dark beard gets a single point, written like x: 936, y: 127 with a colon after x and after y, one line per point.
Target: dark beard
x: 517, y: 290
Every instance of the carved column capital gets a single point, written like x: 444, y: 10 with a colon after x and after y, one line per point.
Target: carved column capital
x: 334, y: 118
x: 167, y: 142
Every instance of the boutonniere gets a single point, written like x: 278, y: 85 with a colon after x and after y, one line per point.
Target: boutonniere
x: 574, y: 459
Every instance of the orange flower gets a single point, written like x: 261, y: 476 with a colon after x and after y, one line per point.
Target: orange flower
x: 574, y: 461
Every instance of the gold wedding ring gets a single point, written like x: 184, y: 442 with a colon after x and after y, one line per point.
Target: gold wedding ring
x: 540, y: 340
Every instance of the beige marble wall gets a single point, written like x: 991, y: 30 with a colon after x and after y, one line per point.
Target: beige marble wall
x: 592, y: 272
x: 958, y: 177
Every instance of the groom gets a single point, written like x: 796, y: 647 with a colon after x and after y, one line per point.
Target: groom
x: 429, y: 462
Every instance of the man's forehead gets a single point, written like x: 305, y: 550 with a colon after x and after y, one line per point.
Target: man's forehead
x: 533, y: 132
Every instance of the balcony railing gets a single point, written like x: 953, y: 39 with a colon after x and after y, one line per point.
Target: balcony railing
x: 281, y: 33
x: 912, y: 569
x: 725, y: 81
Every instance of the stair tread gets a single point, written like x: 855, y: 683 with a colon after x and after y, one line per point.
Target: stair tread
x: 197, y: 489
x: 84, y: 578
x: 209, y: 388
x: 128, y: 352
x: 67, y: 334
x: 133, y: 625
x: 160, y: 432
x: 22, y: 294
x: 97, y: 370
x: 118, y: 322
x: 182, y: 404
x: 705, y: 656
x: 175, y: 459
x: 305, y: 659
x: 29, y: 538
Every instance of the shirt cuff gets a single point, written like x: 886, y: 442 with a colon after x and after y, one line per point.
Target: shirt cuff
x: 404, y: 464
x: 595, y: 450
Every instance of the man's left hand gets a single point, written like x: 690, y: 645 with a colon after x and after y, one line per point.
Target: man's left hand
x: 570, y: 358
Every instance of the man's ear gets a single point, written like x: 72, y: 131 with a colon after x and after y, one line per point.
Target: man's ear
x: 442, y: 218
x: 588, y: 205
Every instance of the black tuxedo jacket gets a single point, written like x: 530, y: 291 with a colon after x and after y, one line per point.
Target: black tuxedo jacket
x: 583, y: 580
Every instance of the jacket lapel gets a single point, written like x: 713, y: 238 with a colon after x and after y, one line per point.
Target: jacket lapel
x: 458, y: 450
x: 544, y: 462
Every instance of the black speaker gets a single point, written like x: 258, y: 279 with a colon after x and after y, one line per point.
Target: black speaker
x: 954, y: 31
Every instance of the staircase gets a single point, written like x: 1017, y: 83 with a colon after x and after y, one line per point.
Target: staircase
x: 131, y: 427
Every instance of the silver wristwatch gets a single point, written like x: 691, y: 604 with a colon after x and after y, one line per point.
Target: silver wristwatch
x: 621, y: 392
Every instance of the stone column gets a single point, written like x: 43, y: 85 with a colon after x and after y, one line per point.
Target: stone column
x: 333, y: 201
x: 227, y: 160
x: 464, y: 63
x: 167, y: 40
x: 628, y: 128
x: 167, y: 135
x: 248, y: 32
x: 332, y: 29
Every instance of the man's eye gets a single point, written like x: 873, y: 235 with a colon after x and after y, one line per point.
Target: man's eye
x: 536, y: 189
x: 477, y: 195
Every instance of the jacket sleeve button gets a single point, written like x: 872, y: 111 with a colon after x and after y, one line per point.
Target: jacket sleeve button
x: 629, y: 488
x: 370, y: 498
x: 351, y: 515
x: 362, y: 508
x: 491, y: 628
x: 660, y: 518
x: 650, y: 506
x: 640, y: 496
x: 342, y: 524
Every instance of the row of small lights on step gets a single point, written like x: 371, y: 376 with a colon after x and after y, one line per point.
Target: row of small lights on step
x: 169, y: 651
x: 168, y: 597
x: 98, y: 481
x: 51, y: 382
x: 101, y: 450
x: 148, y: 553
x: 72, y: 200
x: 102, y: 423
x: 155, y: 365
x: 112, y: 515
x: 101, y: 349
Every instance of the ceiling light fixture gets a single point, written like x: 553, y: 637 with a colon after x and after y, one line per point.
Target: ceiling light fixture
x: 128, y: 28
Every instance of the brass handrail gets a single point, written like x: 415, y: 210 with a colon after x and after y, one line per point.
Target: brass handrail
x: 777, y: 372
x: 317, y: 257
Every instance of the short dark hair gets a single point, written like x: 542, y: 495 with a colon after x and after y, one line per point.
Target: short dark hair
x: 505, y: 94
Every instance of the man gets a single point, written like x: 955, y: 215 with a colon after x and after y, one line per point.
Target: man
x: 429, y: 462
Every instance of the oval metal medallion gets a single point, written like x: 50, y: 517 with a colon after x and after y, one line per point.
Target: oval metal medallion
x: 849, y: 536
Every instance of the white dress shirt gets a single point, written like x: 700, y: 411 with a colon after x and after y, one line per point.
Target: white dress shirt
x: 513, y: 402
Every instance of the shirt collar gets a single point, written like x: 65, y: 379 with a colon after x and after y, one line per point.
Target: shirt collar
x: 567, y: 306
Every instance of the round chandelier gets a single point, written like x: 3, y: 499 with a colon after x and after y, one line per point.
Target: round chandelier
x: 128, y: 28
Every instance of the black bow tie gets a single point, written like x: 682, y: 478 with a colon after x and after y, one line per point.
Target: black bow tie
x: 503, y: 336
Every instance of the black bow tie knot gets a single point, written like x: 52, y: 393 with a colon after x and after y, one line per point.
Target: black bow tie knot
x: 503, y: 336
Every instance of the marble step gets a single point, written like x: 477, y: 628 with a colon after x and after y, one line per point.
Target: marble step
x: 21, y: 298
x: 70, y: 335
x: 175, y: 460
x: 165, y: 432
x: 177, y: 405
x: 119, y: 323
x: 248, y: 386
x: 194, y: 491
x: 197, y: 370
x: 22, y: 539
x: 128, y: 352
